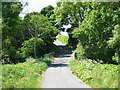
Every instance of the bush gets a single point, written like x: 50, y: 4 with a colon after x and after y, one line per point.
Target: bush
x: 80, y: 52
x: 116, y: 58
x: 28, y: 47
x: 114, y: 42
x: 11, y: 57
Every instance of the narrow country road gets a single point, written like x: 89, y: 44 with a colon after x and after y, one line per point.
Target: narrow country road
x: 59, y: 75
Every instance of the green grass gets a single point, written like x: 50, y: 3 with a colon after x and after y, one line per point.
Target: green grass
x: 94, y: 74
x: 24, y: 75
x: 63, y: 39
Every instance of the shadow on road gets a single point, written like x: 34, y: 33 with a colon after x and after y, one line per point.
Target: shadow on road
x: 62, y: 56
x: 58, y: 65
x: 62, y: 51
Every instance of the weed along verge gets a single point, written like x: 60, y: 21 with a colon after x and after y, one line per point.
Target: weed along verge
x: 24, y: 75
x: 95, y: 74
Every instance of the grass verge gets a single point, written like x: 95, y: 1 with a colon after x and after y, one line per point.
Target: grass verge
x: 63, y: 39
x: 95, y: 74
x: 24, y: 75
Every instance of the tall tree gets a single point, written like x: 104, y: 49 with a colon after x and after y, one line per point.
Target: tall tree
x: 10, y: 27
x: 96, y: 30
x: 37, y: 29
x: 34, y: 24
x: 70, y: 12
x: 48, y: 12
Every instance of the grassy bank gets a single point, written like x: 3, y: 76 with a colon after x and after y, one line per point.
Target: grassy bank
x: 95, y: 74
x: 24, y: 75
x: 63, y: 39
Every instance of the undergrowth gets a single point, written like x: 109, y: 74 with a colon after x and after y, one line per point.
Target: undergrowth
x: 24, y: 75
x: 95, y: 74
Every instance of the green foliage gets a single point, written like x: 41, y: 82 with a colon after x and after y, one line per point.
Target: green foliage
x: 80, y: 52
x: 114, y: 42
x: 98, y: 39
x: 30, y: 45
x: 11, y: 9
x: 95, y: 74
x: 74, y: 10
x: 70, y: 13
x: 63, y: 39
x: 24, y: 75
x: 47, y: 11
x: 12, y: 35
x: 10, y: 19
x: 96, y: 30
x: 17, y: 32
x: 116, y: 57
x: 36, y: 28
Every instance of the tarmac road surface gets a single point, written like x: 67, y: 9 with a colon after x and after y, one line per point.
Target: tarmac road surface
x: 59, y: 75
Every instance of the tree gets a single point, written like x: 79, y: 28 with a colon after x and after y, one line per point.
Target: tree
x: 70, y: 12
x: 47, y: 11
x: 34, y: 22
x: 10, y: 28
x: 17, y: 31
x: 37, y: 29
x: 27, y: 48
x: 10, y: 18
x: 96, y: 30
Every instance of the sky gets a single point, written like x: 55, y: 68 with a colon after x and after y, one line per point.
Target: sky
x: 36, y: 5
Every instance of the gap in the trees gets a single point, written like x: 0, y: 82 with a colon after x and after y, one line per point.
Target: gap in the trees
x: 62, y: 37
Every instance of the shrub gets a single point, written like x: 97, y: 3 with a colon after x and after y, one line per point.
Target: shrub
x: 10, y: 56
x: 80, y: 52
x: 114, y: 42
x: 28, y: 47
